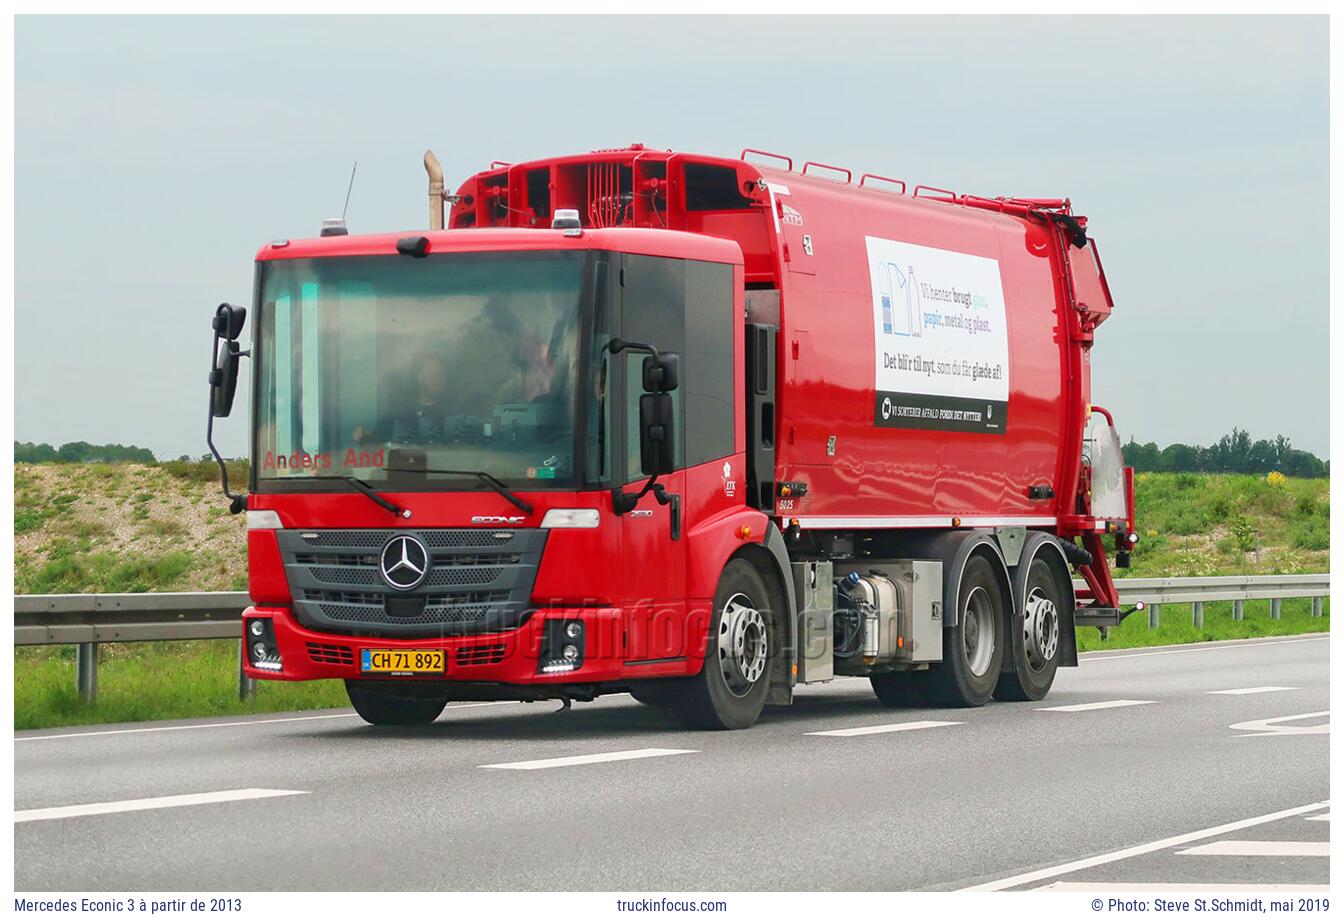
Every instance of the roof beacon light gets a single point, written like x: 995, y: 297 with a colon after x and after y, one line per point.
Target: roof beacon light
x: 567, y: 219
x: 334, y: 226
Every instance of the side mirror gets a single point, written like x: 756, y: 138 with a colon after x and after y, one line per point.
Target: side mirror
x: 662, y: 373
x: 657, y: 434
x: 228, y: 321
x: 224, y: 378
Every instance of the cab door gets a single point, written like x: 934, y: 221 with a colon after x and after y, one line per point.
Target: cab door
x: 653, y: 548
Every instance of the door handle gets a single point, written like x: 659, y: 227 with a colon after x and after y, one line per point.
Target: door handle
x: 674, y: 516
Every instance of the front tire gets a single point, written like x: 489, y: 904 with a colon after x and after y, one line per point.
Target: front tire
x: 730, y: 690
x: 1036, y: 641
x: 392, y: 705
x: 973, y: 649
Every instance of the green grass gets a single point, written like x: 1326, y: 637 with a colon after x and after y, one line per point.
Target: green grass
x: 1176, y: 625
x: 126, y: 527
x: 144, y: 681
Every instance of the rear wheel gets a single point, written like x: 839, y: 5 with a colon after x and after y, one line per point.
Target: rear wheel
x: 384, y: 705
x: 730, y: 690
x: 1036, y: 642
x: 973, y: 649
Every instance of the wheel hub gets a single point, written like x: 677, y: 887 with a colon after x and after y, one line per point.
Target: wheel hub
x: 742, y: 644
x: 978, y: 631
x: 1040, y: 629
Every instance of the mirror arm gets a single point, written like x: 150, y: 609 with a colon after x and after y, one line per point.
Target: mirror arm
x: 237, y: 500
x: 623, y: 502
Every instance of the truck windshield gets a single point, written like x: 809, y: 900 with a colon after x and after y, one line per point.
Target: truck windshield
x: 388, y: 368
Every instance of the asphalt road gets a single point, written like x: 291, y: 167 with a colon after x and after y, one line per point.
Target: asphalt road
x: 1172, y: 783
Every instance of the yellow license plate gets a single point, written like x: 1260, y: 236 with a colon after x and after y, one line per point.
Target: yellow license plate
x: 403, y: 661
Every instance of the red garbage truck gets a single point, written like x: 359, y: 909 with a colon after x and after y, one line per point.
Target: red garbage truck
x: 692, y: 428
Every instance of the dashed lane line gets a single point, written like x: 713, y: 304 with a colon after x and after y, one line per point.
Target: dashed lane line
x: 881, y: 729
x: 166, y: 801
x: 1260, y: 848
x: 580, y: 759
x: 1244, y: 691
x: 1089, y: 707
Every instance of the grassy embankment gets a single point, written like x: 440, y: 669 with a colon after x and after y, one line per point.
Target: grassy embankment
x: 103, y: 527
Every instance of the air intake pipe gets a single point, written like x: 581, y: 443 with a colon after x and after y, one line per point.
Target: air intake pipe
x: 435, y: 190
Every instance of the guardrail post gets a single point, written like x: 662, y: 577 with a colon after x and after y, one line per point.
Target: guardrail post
x: 247, y: 687
x: 86, y: 671
x: 1198, y: 614
x: 1238, y: 610
x: 1317, y: 606
x: 1274, y: 608
x: 1154, y: 616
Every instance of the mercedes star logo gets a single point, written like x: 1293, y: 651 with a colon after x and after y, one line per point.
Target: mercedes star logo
x: 404, y: 562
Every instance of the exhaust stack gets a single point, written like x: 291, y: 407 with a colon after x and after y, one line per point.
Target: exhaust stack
x: 435, y: 190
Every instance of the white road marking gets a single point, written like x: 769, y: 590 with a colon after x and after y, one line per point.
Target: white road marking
x: 1224, y: 646
x: 167, y: 801
x: 881, y: 729
x: 1243, y: 691
x: 1324, y: 817
x: 1261, y: 728
x: 584, y: 759
x: 1088, y: 862
x: 1260, y: 848
x: 238, y: 724
x: 1178, y: 886
x: 1088, y: 707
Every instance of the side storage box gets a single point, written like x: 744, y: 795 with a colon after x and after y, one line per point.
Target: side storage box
x: 812, y: 582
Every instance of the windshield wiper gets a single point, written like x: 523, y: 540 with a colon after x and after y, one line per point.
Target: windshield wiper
x: 519, y: 503
x: 368, y: 490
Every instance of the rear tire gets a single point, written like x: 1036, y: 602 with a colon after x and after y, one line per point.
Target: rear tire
x: 730, y: 690
x: 973, y: 649
x: 1036, y: 639
x: 383, y: 705
x: 900, y: 689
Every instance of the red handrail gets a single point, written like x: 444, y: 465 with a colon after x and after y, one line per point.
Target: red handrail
x: 767, y: 153
x: 849, y: 176
x: 866, y: 176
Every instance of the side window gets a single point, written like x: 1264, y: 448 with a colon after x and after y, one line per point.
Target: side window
x: 684, y: 307
x: 653, y: 311
x: 707, y: 364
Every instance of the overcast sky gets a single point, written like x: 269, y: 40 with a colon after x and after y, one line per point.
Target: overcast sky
x: 155, y: 155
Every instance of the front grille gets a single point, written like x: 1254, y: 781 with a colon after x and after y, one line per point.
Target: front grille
x: 479, y: 580
x: 319, y: 653
x: 431, y: 600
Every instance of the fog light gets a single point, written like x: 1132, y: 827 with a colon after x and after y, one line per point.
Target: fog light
x: 259, y: 650
x: 571, y: 652
x: 574, y: 629
x: 257, y: 628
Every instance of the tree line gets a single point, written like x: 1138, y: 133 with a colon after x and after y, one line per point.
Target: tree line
x: 1232, y: 453
x: 81, y: 452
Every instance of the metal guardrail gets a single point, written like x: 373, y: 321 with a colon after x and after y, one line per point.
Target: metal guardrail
x: 1154, y: 592
x: 64, y: 619
x: 85, y: 620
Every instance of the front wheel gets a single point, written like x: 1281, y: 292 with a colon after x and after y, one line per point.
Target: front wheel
x: 392, y: 705
x: 730, y: 690
x: 973, y: 649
